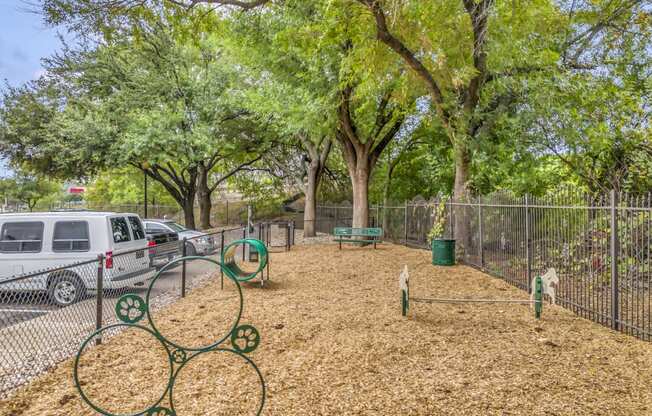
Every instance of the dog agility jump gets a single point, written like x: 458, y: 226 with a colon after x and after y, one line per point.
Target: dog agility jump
x: 540, y: 285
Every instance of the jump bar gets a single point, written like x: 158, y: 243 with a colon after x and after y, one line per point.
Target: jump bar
x: 429, y: 300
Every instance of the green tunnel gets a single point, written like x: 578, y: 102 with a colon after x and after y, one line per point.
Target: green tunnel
x: 230, y: 266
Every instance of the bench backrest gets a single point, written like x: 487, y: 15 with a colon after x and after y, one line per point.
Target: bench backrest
x: 358, y: 232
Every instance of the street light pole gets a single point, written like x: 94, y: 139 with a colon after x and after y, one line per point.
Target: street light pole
x: 145, y: 213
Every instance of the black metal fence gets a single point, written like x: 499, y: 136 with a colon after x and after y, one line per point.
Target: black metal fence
x: 599, y: 245
x: 45, y: 315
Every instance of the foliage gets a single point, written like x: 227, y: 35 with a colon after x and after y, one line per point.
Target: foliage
x: 530, y: 96
x: 30, y: 190
x: 125, y: 186
x: 439, y: 220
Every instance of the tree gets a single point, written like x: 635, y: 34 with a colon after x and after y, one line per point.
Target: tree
x: 151, y: 98
x: 29, y: 190
x: 304, y: 170
x: 312, y: 56
x: 124, y: 186
x: 290, y: 87
x: 595, y: 128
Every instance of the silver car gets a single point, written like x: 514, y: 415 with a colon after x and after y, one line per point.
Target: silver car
x: 198, y: 243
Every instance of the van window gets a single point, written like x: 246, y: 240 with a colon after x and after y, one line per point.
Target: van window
x: 120, y: 230
x: 137, y: 228
x: 70, y: 236
x: 21, y: 237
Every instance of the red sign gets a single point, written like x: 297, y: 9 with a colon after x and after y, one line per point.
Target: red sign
x: 76, y: 190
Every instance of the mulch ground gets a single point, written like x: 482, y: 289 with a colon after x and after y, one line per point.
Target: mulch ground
x: 334, y: 343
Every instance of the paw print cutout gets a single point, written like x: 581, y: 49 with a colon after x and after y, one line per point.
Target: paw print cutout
x: 130, y: 308
x: 245, y: 338
x: 178, y: 356
x: 160, y: 411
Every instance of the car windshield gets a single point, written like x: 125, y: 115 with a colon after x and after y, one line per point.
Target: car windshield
x: 175, y: 227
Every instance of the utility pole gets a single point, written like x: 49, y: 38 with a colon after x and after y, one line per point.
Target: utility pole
x: 145, y: 192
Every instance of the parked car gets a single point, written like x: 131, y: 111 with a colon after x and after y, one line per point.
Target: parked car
x: 164, y: 247
x: 45, y: 241
x: 199, y: 243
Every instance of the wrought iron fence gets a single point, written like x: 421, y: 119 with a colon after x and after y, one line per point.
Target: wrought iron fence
x: 45, y: 315
x: 599, y: 245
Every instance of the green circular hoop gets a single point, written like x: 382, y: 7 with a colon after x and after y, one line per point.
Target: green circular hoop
x: 177, y: 356
x: 241, y: 355
x: 97, y: 408
x: 232, y: 270
x: 174, y: 344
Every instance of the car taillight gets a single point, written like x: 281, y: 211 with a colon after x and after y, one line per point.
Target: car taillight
x: 151, y: 244
x: 108, y: 260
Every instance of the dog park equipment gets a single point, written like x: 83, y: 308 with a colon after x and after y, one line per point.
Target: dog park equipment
x: 368, y: 235
x: 230, y: 267
x: 540, y: 285
x: 131, y: 309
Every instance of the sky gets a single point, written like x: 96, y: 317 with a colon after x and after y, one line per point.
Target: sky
x: 24, y: 40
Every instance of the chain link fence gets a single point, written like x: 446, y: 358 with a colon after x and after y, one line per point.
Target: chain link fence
x: 46, y: 315
x: 599, y: 245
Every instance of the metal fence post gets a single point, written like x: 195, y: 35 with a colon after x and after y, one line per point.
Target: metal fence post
x: 221, y: 251
x: 378, y: 216
x: 480, y: 235
x: 528, y: 245
x: 450, y: 217
x: 615, y: 301
x: 244, y: 236
x: 287, y: 235
x: 405, y: 222
x: 336, y: 215
x: 99, y: 296
x: 184, y: 251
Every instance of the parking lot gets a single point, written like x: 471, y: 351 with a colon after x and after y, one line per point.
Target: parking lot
x: 35, y: 334
x: 16, y: 308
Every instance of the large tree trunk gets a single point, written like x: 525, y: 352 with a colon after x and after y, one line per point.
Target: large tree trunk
x: 182, y: 188
x: 361, y: 155
x: 360, y: 183
x: 318, y: 153
x: 461, y: 194
x: 188, y: 207
x: 204, y: 197
x: 310, y: 209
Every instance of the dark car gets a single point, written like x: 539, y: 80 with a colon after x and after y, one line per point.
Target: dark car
x: 198, y: 243
x: 163, y: 247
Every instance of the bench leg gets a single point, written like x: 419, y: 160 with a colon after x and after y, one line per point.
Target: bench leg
x: 340, y: 244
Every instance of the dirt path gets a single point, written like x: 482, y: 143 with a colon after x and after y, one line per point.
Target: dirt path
x: 334, y: 343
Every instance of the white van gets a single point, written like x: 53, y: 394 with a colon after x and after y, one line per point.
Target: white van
x: 33, y: 242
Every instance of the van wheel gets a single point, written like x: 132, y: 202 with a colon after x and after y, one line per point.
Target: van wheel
x: 64, y: 290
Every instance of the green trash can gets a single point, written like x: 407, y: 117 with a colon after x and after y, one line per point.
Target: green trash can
x: 443, y: 252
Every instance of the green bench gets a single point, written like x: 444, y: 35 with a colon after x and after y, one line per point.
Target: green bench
x: 368, y: 235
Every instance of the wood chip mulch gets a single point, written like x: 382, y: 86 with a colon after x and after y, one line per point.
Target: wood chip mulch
x: 334, y: 343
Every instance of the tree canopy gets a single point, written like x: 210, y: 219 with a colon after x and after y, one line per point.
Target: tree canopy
x: 404, y: 98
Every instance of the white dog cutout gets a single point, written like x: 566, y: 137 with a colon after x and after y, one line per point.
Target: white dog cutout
x: 404, y: 281
x: 547, y: 281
